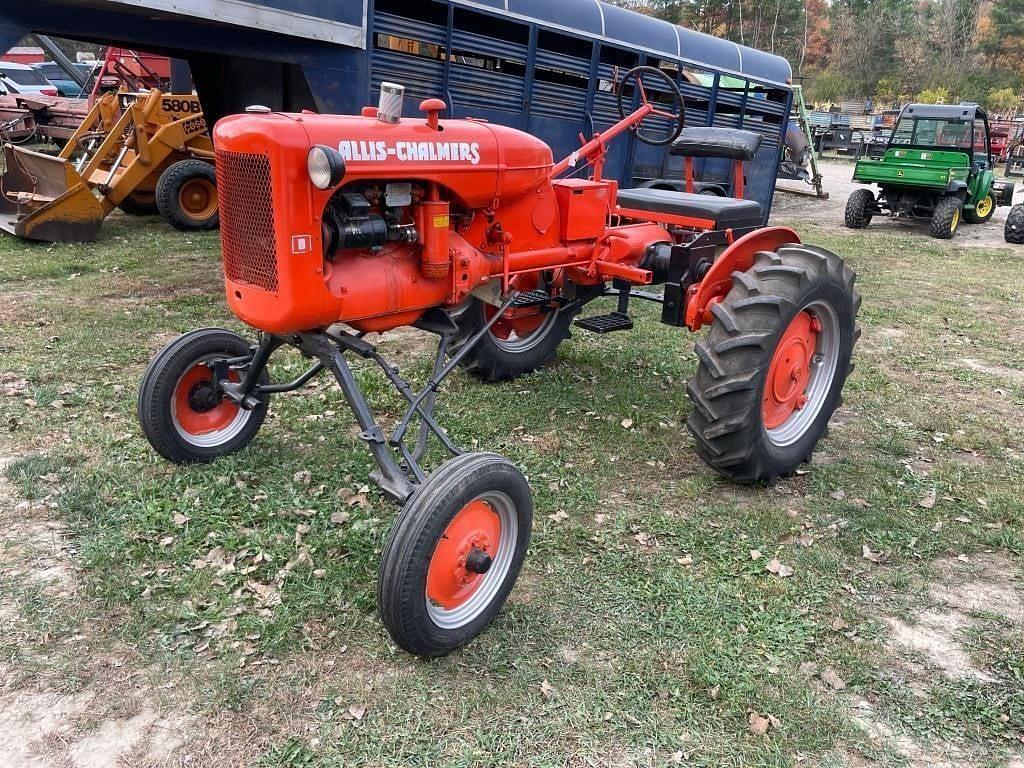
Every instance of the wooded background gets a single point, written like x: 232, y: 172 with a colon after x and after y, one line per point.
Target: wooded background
x: 887, y: 50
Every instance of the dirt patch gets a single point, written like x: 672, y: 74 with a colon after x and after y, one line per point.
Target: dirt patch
x: 999, y: 371
x: 934, y: 636
x: 917, y: 754
x: 113, y: 718
x: 984, y: 584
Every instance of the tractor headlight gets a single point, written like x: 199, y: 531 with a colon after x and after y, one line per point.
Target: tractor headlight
x: 326, y: 167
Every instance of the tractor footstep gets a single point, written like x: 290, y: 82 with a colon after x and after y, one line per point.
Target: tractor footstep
x: 537, y: 298
x: 616, y: 321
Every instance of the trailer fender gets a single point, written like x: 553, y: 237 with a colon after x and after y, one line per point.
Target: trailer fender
x: 738, y: 257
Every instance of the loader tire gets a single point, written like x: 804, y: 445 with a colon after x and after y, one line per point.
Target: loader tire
x: 1013, y: 232
x: 505, y: 353
x: 772, y: 369
x: 946, y: 217
x: 858, y: 209
x: 139, y: 204
x: 178, y: 417
x: 187, y: 196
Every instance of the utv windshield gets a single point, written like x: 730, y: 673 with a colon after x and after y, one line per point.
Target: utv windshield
x: 933, y: 132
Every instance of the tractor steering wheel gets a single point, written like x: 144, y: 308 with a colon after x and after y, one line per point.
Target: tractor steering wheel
x: 679, y: 119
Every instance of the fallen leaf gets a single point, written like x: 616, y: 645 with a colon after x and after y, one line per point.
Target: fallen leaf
x: 832, y: 679
x: 685, y: 560
x: 874, y: 557
x: 808, y: 668
x: 758, y: 723
x: 558, y: 516
x: 355, y: 712
x: 838, y: 495
x: 755, y: 554
x: 303, y: 476
x: 839, y: 624
x: 180, y: 519
x: 627, y: 423
x: 547, y: 690
x: 937, y: 527
x: 928, y: 501
x: 340, y: 517
x: 779, y: 569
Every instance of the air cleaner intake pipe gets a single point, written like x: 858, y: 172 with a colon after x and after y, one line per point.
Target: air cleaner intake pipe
x: 392, y: 96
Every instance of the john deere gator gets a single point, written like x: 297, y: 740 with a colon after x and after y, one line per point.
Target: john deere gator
x: 937, y: 166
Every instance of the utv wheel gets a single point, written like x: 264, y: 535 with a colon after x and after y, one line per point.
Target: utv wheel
x: 859, y: 209
x: 946, y: 217
x: 983, y: 210
x: 182, y: 417
x: 516, y: 344
x: 454, y: 554
x: 772, y: 369
x: 187, y: 196
x: 1013, y: 232
x: 139, y: 203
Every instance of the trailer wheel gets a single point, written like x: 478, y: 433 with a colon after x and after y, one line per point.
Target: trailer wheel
x: 516, y: 345
x: 772, y: 369
x: 187, y: 196
x: 454, y: 554
x: 983, y: 210
x: 139, y: 203
x: 946, y: 217
x: 1013, y: 232
x: 181, y: 415
x: 859, y: 208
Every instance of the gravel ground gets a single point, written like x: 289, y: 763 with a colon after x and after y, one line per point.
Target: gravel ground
x: 839, y: 185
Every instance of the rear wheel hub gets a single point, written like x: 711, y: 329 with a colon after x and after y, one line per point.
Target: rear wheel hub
x: 790, y: 370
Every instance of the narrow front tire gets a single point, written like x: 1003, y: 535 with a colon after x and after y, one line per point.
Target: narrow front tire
x: 454, y: 554
x: 185, y: 418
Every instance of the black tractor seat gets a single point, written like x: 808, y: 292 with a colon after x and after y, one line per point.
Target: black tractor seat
x: 726, y: 212
x: 729, y: 143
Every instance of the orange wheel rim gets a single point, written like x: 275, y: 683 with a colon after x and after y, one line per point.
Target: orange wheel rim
x: 198, y: 198
x: 790, y: 371
x: 472, y: 535
x: 194, y: 412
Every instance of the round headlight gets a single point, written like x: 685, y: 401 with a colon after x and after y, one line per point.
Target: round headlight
x: 326, y: 167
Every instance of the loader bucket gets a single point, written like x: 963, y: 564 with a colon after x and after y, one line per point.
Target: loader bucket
x: 42, y: 197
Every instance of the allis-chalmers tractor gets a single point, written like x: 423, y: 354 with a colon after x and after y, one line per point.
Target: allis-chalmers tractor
x: 335, y: 227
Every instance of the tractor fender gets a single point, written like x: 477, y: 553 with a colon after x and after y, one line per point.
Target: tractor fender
x: 957, y: 187
x: 738, y: 257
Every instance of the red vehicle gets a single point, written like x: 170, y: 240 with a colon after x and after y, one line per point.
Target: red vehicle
x: 470, y: 231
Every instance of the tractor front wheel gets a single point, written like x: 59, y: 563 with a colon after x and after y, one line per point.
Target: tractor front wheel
x: 983, y: 210
x: 1013, y: 232
x: 859, y: 208
x: 520, y: 342
x: 772, y: 369
x: 183, y: 416
x: 946, y: 217
x: 454, y: 554
x: 187, y: 196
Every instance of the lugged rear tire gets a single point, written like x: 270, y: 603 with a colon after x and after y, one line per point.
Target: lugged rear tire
x: 729, y: 391
x: 946, y: 217
x: 858, y: 209
x: 496, y: 359
x: 1013, y: 232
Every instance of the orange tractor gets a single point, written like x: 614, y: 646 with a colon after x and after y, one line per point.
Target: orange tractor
x: 335, y: 227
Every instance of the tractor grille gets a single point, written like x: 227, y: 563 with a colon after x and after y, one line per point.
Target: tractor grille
x: 247, y: 219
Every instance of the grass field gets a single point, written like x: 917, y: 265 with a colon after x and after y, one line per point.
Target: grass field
x: 225, y: 615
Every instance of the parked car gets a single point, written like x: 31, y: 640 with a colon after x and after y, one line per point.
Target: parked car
x: 65, y: 85
x: 20, y: 78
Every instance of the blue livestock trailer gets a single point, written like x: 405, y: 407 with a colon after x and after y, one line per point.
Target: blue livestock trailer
x: 549, y: 67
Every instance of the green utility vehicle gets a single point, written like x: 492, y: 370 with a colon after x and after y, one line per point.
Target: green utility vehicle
x: 937, y: 166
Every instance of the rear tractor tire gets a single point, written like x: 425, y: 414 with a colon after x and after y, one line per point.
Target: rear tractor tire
x: 181, y: 415
x: 859, y: 209
x: 946, y: 217
x: 772, y: 369
x: 515, y: 345
x: 982, y: 211
x: 1013, y: 232
x: 186, y: 196
x: 454, y: 554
